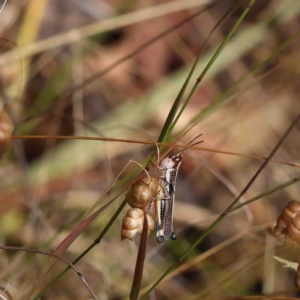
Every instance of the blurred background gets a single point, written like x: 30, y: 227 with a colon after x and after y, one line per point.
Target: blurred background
x: 77, y: 68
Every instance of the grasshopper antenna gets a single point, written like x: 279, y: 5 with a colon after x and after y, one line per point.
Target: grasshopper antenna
x: 193, y: 140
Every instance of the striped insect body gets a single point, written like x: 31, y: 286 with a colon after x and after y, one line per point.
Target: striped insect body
x: 165, y: 197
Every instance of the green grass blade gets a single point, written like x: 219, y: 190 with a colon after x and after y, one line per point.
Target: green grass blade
x: 267, y: 193
x: 214, y: 57
x: 227, y: 96
x: 170, y: 124
x: 167, y: 128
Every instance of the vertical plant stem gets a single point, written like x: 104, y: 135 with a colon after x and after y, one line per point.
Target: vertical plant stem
x: 139, y: 266
x: 215, y: 56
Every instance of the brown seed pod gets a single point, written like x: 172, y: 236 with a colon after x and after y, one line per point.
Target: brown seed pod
x: 133, y: 224
x: 142, y: 192
x: 288, y: 223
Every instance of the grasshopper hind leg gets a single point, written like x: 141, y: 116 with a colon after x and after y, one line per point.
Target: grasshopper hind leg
x: 173, y: 236
x: 159, y: 234
x: 160, y: 239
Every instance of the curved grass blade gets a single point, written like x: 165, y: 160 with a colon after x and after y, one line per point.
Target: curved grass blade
x: 65, y: 244
x: 223, y: 98
x: 57, y: 257
x: 70, y: 238
x: 97, y: 241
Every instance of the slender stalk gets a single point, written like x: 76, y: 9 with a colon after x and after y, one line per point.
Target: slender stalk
x: 161, y: 144
x: 263, y: 164
x: 267, y: 193
x: 139, y: 266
